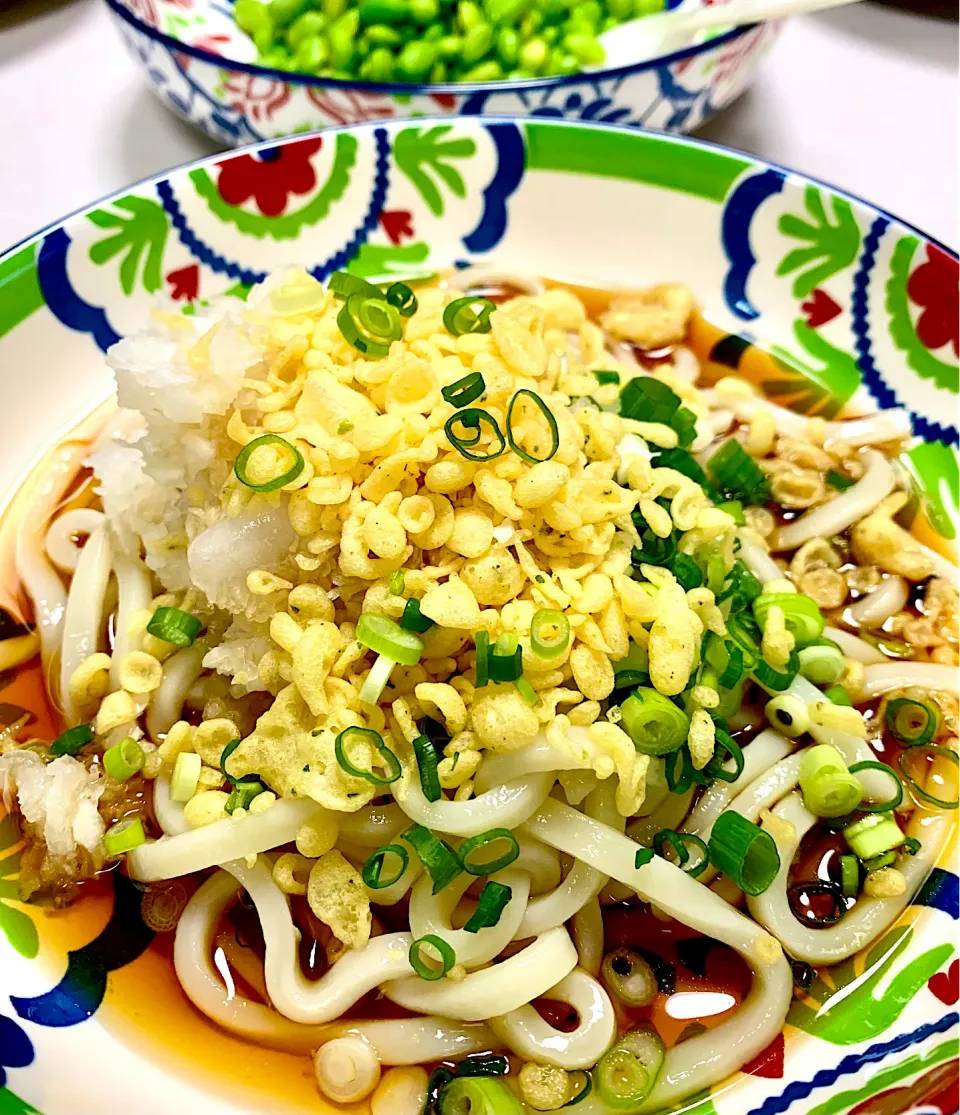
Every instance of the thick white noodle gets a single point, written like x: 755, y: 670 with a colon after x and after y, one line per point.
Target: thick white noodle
x: 765, y: 791
x: 508, y: 766
x: 134, y: 591
x: 541, y: 863
x: 196, y: 850
x: 587, y: 930
x: 499, y: 989
x: 354, y: 974
x: 169, y: 813
x: 481, y: 276
x: 657, y: 789
x: 431, y: 913
x: 37, y: 575
x: 853, y: 647
x: 768, y: 748
x: 668, y: 816
x: 877, y: 607
x: 758, y: 560
x: 402, y: 1041
x: 883, y: 678
x: 502, y: 807
x: 534, y: 1039
x: 83, y: 617
x: 180, y: 671
x: 843, y: 510
x: 872, y: 429
x: 373, y: 826
x: 870, y: 916
x: 61, y: 539
x: 700, y: 1061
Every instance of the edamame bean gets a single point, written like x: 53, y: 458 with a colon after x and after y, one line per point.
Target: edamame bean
x: 534, y: 54
x: 380, y: 34
x: 449, y: 47
x: 342, y: 37
x: 585, y: 48
x: 251, y: 15
x: 508, y: 46
x: 486, y: 71
x: 416, y: 60
x: 469, y: 14
x: 333, y: 9
x: 378, y: 65
x: 424, y: 11
x: 304, y: 27
x: 476, y: 42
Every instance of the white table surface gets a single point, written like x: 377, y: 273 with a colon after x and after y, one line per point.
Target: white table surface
x: 864, y: 97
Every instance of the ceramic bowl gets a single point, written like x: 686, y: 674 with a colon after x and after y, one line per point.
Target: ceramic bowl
x: 200, y: 64
x: 819, y: 297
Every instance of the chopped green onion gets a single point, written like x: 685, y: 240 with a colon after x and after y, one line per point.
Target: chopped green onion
x: 678, y: 841
x: 396, y: 582
x: 343, y: 284
x: 584, y: 1091
x: 630, y: 679
x: 372, y: 873
x: 186, y: 776
x: 776, y: 680
x: 385, y: 636
x: 873, y: 835
x: 828, y: 788
x: 733, y: 508
x: 481, y: 640
x: 724, y: 742
x: 173, y: 626
x: 478, y: 1095
x: 648, y: 399
x: 726, y: 657
x: 890, y: 803
x: 684, y: 423
x: 643, y: 857
x: 70, y: 741
x: 526, y: 691
x: 505, y: 661
x: 354, y: 734
x: 849, y: 876
x: 679, y: 784
x: 920, y: 753
x: 627, y: 1072
x: 629, y: 977
x: 376, y: 679
x: 413, y: 619
x: 493, y: 899
x: 402, y: 298
x: 532, y: 458
x: 445, y: 953
x: 488, y: 864
x: 124, y: 759
x: 465, y: 391
x: 124, y: 836
x: 427, y: 766
x: 838, y: 695
x: 911, y: 846
x: 471, y: 419
x: 240, y: 469
x: 440, y: 860
x: 370, y: 325
x: 242, y: 794
x: 788, y: 713
x: 803, y: 618
x: 687, y: 572
x: 742, y: 588
x: 224, y: 755
x: 470, y: 314
x: 823, y: 665
x: 605, y: 377
x: 653, y: 722
x: 912, y: 722
x: 838, y: 480
x: 549, y: 633
x: 711, y: 562
x: 738, y: 474
x: 878, y: 863
x: 743, y: 852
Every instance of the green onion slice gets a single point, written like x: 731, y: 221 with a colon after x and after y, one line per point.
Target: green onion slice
x: 343, y: 284
x: 734, y: 508
x: 465, y: 391
x: 370, y: 324
x: 428, y: 971
x: 777, y: 681
x: 526, y: 691
x: 400, y: 296
x: 354, y: 734
x: 849, y: 876
x: 911, y: 846
x: 70, y: 741
x: 471, y: 419
x: 688, y: 773
x: 648, y: 399
x: 803, y: 618
x: 872, y: 835
x: 413, y: 619
x: 478, y: 1095
x: 643, y: 857
x: 738, y: 474
x: 829, y: 789
x: 493, y: 900
x: 242, y: 794
x: 440, y: 860
x: 743, y: 852
x: 654, y: 723
x: 487, y: 843
x: 124, y: 836
x: 549, y: 633
x: 838, y: 695
x: 687, y: 572
x: 470, y: 314
x: 396, y: 582
x: 910, y: 766
x: 123, y: 760
x: 372, y: 872
x: 547, y: 413
x: 679, y: 841
x: 505, y: 666
x: 427, y: 765
x: 912, y: 722
x: 585, y: 1089
x: 240, y: 470
x: 823, y: 665
x: 481, y: 640
x: 604, y: 377
x: 385, y: 636
x: 838, y: 480
x: 186, y: 776
x: 173, y: 626
x: 890, y: 803
x: 627, y: 1072
x: 885, y: 859
x: 726, y: 657
x: 224, y: 755
x: 725, y: 747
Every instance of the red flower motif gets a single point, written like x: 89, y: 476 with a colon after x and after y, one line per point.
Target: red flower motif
x: 933, y: 286
x: 257, y: 97
x: 396, y: 224
x: 145, y: 10
x: 213, y: 43
x: 946, y: 985
x: 270, y: 176
x: 185, y: 283
x: 343, y: 107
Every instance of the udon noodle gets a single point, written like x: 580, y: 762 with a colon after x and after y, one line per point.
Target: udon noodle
x: 434, y: 627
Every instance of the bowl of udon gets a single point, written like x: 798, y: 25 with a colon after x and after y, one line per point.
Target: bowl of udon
x: 238, y: 79
x: 479, y: 657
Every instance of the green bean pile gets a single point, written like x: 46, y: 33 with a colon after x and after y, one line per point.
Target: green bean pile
x: 433, y: 40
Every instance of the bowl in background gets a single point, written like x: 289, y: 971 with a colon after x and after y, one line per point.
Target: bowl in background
x: 200, y: 64
x: 820, y: 298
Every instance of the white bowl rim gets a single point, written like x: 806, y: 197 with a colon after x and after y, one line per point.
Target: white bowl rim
x: 410, y: 88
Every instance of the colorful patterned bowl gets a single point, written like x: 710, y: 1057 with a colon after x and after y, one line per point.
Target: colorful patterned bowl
x: 847, y: 304
x: 200, y: 64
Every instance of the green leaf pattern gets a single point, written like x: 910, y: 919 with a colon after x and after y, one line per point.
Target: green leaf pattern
x: 829, y: 247
x: 17, y: 926
x: 141, y: 236
x: 416, y: 150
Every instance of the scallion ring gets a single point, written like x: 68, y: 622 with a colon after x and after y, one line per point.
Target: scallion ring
x: 343, y: 284
x: 465, y: 391
x: 802, y: 617
x: 849, y: 876
x: 124, y: 836
x: 355, y: 735
x: 372, y: 872
x: 679, y: 841
x: 913, y: 756
x: 242, y: 465
x: 643, y: 857
x: 124, y: 759
x: 724, y: 743
x: 654, y: 723
x: 370, y: 325
x: 883, y: 806
x: 549, y: 633
x: 70, y: 741
x: 481, y: 641
x: 744, y: 852
x: 385, y: 636
x: 470, y: 314
x: 243, y: 794
x: 527, y: 692
x: 878, y: 863
x: 872, y: 835
x: 440, y: 860
x: 413, y: 619
x: 427, y: 766
x: 445, y: 953
x: 532, y: 458
x: 493, y: 900
x: 402, y: 297
x: 247, y: 779
x: 912, y: 722
x: 488, y: 864
x: 586, y: 1088
x: 471, y: 419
